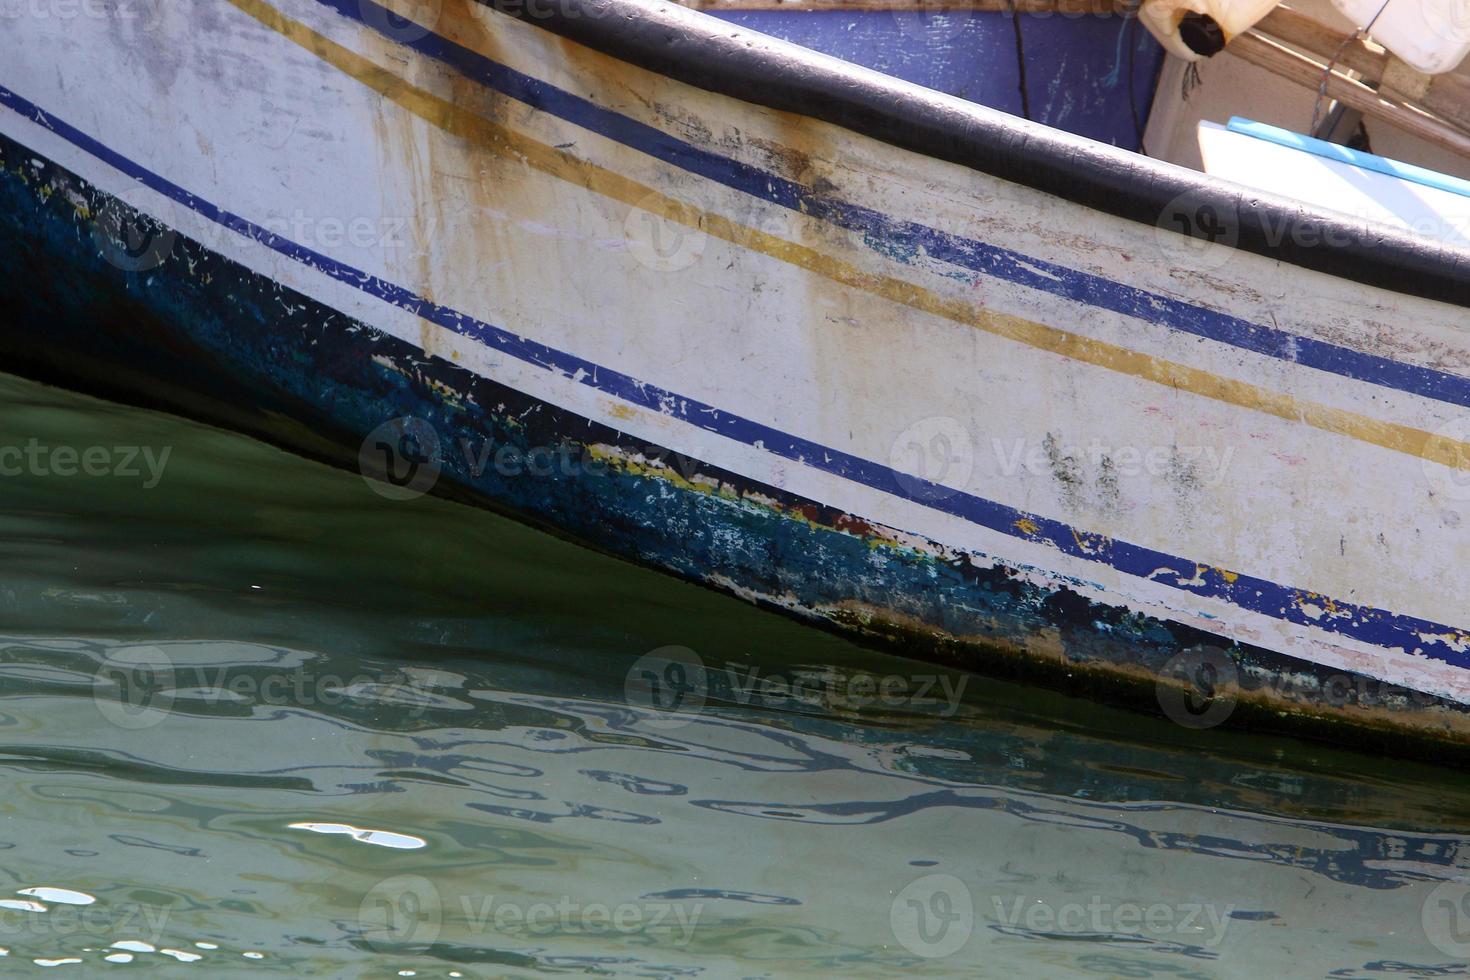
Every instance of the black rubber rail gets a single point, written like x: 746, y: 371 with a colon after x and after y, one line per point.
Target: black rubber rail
x: 717, y: 56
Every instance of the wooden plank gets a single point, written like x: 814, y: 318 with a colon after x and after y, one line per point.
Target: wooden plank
x: 1065, y: 8
x: 1447, y: 96
x: 1301, y: 31
x: 1293, y: 66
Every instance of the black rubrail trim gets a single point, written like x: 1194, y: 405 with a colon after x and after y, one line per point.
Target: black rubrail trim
x: 712, y: 54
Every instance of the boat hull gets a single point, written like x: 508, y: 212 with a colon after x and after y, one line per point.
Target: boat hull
x: 660, y: 321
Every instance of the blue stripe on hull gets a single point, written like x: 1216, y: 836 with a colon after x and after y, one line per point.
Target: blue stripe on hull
x: 1378, y: 627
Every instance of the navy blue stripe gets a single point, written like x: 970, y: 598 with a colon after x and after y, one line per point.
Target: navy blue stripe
x: 1374, y: 626
x: 906, y: 240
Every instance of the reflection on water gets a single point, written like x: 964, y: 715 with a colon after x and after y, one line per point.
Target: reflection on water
x: 258, y: 719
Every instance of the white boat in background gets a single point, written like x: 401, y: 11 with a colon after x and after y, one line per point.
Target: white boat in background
x: 880, y: 357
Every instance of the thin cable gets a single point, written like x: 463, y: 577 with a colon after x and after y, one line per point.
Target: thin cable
x: 1191, y: 80
x: 1132, y: 88
x: 1355, y: 36
x: 1020, y: 59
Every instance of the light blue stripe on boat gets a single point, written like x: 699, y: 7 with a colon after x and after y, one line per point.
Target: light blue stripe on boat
x: 1346, y: 154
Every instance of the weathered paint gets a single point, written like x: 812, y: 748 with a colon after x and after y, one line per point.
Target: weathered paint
x: 847, y: 302
x: 1089, y: 75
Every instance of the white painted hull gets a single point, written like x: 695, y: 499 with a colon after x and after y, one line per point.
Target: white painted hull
x: 1060, y: 371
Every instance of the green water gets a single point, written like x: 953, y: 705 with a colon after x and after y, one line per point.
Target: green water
x: 272, y: 723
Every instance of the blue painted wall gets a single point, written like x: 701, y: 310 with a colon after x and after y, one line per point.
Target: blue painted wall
x: 1078, y: 69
